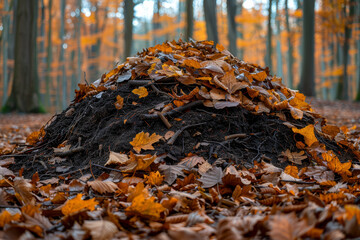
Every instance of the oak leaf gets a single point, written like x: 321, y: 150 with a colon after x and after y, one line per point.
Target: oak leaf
x: 144, y: 141
x: 308, y: 133
x: 145, y: 207
x: 101, y: 229
x: 141, y: 92
x: 76, y: 204
x: 119, y: 102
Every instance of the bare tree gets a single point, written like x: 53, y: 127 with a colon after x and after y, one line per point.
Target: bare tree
x: 128, y: 32
x: 231, y: 13
x: 210, y: 20
x: 268, y: 54
x: 189, y: 5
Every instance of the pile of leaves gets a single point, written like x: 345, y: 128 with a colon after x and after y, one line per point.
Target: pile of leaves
x: 185, y: 140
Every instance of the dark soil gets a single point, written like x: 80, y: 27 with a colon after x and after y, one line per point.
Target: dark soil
x: 97, y: 126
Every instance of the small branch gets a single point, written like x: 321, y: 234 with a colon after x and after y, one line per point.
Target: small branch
x: 107, y: 168
x: 298, y: 182
x: 172, y: 140
x: 237, y: 135
x: 140, y: 82
x: 174, y: 111
x: 78, y: 170
x: 70, y: 152
x: 158, y: 91
x: 164, y: 120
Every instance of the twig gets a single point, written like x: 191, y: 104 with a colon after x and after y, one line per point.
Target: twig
x: 81, y: 169
x: 237, y: 135
x: 140, y: 82
x: 164, y: 120
x: 107, y: 168
x: 9, y: 206
x: 298, y: 182
x: 172, y: 140
x: 159, y: 91
x: 174, y: 111
x: 70, y: 152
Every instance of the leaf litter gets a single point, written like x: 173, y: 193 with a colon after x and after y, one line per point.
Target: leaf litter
x: 185, y: 140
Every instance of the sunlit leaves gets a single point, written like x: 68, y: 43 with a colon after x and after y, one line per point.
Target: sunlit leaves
x: 308, y: 134
x: 145, y: 207
x: 76, y: 204
x: 6, y: 217
x: 141, y: 92
x: 144, y: 141
x: 155, y: 178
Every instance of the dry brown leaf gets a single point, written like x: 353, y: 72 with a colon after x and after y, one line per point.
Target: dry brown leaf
x: 294, y: 157
x: 144, y: 141
x: 211, y: 177
x: 138, y: 162
x: 117, y: 158
x: 100, y: 229
x: 287, y: 227
x: 169, y: 134
x: 103, y: 187
x: 23, y: 188
x: 171, y: 172
x: 6, y: 172
x: 192, y: 161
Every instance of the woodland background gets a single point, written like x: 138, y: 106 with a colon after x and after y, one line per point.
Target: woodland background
x: 313, y: 45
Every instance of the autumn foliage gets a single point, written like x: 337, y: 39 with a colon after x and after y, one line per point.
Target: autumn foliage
x: 311, y: 192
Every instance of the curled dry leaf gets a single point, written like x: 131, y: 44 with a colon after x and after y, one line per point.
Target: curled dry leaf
x: 141, y: 92
x: 101, y: 229
x: 117, y: 158
x: 76, y: 204
x: 138, y: 162
x: 144, y: 141
x: 169, y: 134
x: 103, y: 187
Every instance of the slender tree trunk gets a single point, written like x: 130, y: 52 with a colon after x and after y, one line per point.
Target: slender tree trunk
x: 268, y: 61
x: 116, y: 36
x: 189, y: 28
x: 290, y: 59
x: 5, y: 41
x: 210, y: 20
x: 78, y: 40
x: 239, y: 10
x: 279, y: 63
x: 128, y: 24
x: 358, y: 56
x: 307, y: 81
x: 61, y: 79
x: 231, y: 13
x: 24, y: 93
x: 48, y: 57
x: 156, y: 25
x: 348, y: 25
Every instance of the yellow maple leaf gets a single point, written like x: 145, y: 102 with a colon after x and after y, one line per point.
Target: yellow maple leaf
x: 119, y: 102
x: 145, y: 207
x: 308, y: 133
x: 76, y: 204
x: 141, y: 92
x: 144, y: 141
x: 154, y: 178
x: 6, y: 217
x: 292, y: 171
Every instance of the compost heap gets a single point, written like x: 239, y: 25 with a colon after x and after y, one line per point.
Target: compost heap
x: 192, y: 136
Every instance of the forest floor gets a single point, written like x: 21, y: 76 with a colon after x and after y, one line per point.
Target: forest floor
x: 14, y: 128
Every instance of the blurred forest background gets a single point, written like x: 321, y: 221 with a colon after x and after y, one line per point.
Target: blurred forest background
x: 313, y: 45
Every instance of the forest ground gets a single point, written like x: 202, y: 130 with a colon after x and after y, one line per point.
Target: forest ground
x: 14, y: 128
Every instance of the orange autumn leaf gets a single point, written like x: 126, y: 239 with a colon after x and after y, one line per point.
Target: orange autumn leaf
x: 260, y: 76
x: 334, y: 164
x: 144, y: 141
x: 308, y: 133
x: 178, y: 103
x: 141, y: 92
x: 6, y: 217
x: 35, y: 137
x: 292, y: 171
x: 145, y: 207
x: 220, y: 47
x: 155, y: 178
x: 192, y: 63
x: 119, y: 102
x: 351, y: 211
x: 76, y: 204
x: 138, y: 162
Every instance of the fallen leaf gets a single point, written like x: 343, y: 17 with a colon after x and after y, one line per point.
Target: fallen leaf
x: 76, y: 204
x: 260, y: 76
x: 192, y: 161
x: 294, y: 157
x: 141, y: 92
x: 119, y: 102
x: 308, y: 133
x: 287, y: 227
x: 169, y: 134
x: 6, y: 217
x: 145, y: 207
x: 144, y: 141
x: 23, y: 188
x: 117, y: 158
x: 101, y: 229
x: 138, y: 162
x: 103, y: 186
x: 171, y: 172
x: 211, y: 177
x: 292, y: 171
x: 155, y: 178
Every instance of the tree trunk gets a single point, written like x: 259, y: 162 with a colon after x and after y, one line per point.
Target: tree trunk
x: 61, y: 79
x: 128, y: 24
x: 279, y: 71
x: 348, y: 25
x: 48, y: 58
x: 189, y: 28
x: 5, y: 41
x: 231, y: 13
x: 78, y: 40
x: 241, y: 28
x: 358, y: 56
x: 307, y: 81
x: 290, y: 59
x: 268, y: 62
x: 156, y: 25
x: 210, y: 20
x: 24, y: 93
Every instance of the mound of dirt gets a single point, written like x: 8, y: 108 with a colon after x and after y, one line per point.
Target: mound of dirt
x: 201, y: 101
